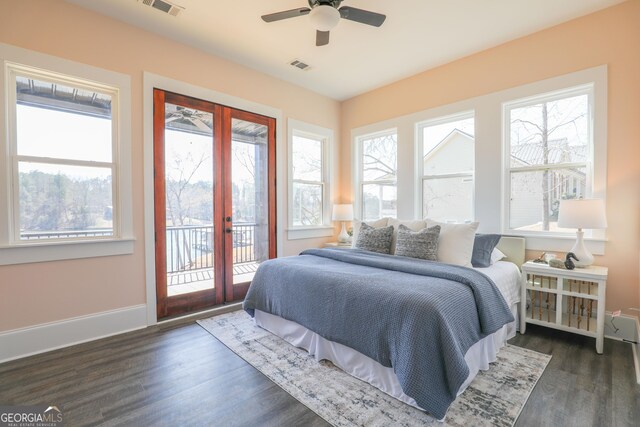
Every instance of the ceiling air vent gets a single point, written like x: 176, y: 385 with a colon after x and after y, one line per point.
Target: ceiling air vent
x: 299, y: 64
x: 163, y: 6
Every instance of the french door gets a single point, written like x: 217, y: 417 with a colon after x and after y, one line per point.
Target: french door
x: 214, y: 188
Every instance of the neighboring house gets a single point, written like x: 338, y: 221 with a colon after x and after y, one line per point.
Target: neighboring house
x: 381, y: 200
x: 527, y: 187
x: 448, y: 171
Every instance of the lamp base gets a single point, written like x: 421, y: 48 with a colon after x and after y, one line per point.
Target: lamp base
x: 343, y: 237
x: 580, y: 250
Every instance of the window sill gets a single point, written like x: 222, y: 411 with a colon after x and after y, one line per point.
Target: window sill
x: 57, y: 251
x: 310, y: 232
x: 559, y: 243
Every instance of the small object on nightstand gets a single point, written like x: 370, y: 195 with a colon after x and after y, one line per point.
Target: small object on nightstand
x: 567, y: 264
x: 541, y: 259
x: 556, y: 263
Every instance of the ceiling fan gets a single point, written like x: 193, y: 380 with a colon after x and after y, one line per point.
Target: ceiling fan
x: 325, y: 15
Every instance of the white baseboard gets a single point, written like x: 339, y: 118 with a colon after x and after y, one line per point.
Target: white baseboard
x: 636, y: 350
x: 24, y: 342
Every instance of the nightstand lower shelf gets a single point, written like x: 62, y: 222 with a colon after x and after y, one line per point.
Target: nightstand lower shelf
x: 565, y: 327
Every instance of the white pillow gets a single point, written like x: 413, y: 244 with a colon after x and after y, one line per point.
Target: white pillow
x: 455, y: 243
x: 413, y: 225
x: 378, y: 223
x: 496, y: 256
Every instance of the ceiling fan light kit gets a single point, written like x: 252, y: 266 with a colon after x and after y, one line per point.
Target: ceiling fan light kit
x: 325, y: 15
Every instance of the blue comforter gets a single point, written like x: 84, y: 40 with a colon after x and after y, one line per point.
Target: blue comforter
x: 419, y: 317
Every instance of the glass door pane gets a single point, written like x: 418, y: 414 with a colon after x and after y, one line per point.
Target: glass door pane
x: 249, y: 197
x: 189, y: 185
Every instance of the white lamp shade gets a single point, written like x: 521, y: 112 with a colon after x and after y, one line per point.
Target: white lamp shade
x: 342, y: 212
x: 582, y: 213
x: 324, y: 17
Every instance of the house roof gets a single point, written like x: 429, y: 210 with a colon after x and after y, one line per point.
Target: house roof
x: 559, y: 151
x: 60, y: 97
x: 446, y: 140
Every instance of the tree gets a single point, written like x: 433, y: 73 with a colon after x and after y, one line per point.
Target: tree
x: 553, y: 117
x: 181, y: 196
x: 379, y: 167
x: 57, y: 202
x: 380, y: 158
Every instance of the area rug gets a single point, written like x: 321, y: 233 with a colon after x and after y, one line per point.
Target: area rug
x: 495, y: 397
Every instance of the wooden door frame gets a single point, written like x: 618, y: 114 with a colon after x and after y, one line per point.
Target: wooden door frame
x: 224, y: 290
x: 236, y: 292
x: 169, y: 306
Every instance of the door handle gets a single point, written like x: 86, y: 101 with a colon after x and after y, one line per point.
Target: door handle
x: 228, y: 219
x: 228, y: 230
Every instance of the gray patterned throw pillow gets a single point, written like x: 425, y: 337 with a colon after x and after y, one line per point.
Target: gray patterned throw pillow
x: 375, y: 239
x: 421, y: 244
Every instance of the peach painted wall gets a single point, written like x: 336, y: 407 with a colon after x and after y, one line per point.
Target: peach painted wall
x: 611, y: 37
x: 32, y: 294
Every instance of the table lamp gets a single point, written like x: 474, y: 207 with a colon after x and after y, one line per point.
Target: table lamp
x: 342, y: 213
x: 582, y: 213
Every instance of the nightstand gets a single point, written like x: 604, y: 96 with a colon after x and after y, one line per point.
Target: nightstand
x: 337, y: 245
x: 568, y: 300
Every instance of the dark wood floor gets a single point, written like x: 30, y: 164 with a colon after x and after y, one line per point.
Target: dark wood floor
x: 178, y: 374
x: 579, y: 386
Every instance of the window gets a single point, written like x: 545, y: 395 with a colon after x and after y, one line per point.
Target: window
x: 378, y: 172
x: 448, y: 159
x: 483, y: 159
x: 308, y: 180
x: 309, y: 171
x: 549, y: 144
x: 63, y: 165
x: 68, y: 181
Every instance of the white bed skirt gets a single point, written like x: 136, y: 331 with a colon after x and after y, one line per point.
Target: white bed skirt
x: 362, y: 367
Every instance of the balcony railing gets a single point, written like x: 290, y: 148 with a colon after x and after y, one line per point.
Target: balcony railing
x: 189, y: 247
x: 68, y: 234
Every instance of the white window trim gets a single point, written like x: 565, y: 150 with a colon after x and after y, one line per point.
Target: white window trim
x: 593, y: 82
x: 326, y: 229
x: 489, y: 167
x: 358, y: 137
x: 13, y: 251
x: 421, y: 177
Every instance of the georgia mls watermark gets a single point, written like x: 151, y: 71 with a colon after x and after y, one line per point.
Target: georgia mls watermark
x: 30, y: 416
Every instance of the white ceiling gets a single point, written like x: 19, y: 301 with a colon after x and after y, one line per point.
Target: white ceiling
x: 417, y: 35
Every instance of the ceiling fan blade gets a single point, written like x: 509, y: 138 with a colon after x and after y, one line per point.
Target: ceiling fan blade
x: 200, y: 124
x: 362, y: 16
x: 286, y: 14
x: 322, y: 38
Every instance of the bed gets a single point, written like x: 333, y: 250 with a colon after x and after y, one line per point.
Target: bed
x: 425, y: 355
